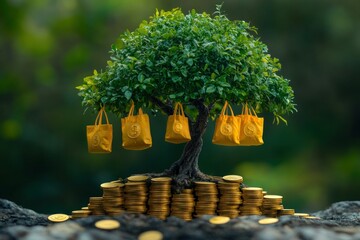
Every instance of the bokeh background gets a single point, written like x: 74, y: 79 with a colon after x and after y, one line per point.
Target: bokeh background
x: 47, y: 47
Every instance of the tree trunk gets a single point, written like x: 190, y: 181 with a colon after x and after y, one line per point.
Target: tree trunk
x: 186, y: 168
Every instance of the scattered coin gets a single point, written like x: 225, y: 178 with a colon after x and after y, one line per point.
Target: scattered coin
x: 268, y: 220
x: 107, y: 224
x: 151, y: 235
x: 219, y: 220
x: 59, y: 217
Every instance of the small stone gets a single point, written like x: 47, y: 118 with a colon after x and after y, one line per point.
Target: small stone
x: 64, y: 230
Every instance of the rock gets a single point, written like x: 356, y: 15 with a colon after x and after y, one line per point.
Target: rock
x: 343, y: 213
x: 340, y: 221
x: 12, y: 215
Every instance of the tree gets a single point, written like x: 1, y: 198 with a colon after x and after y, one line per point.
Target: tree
x: 195, y: 59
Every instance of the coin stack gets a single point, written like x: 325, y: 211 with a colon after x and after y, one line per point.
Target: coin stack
x: 159, y: 197
x: 230, y: 196
x: 136, y: 194
x: 271, y: 205
x: 96, y: 206
x: 284, y: 212
x: 206, y: 198
x: 182, y: 205
x: 252, y: 201
x: 113, y: 198
x: 80, y: 213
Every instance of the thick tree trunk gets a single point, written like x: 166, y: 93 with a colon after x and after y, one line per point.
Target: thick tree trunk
x: 186, y: 169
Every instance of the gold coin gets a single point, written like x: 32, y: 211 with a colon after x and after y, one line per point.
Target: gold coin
x: 204, y: 183
x: 252, y: 189
x: 59, y: 217
x: 271, y: 197
x: 107, y: 224
x: 219, y: 220
x: 268, y: 220
x: 233, y: 178
x: 138, y: 178
x: 301, y: 215
x: 111, y: 185
x: 161, y: 179
x: 312, y: 217
x: 151, y: 235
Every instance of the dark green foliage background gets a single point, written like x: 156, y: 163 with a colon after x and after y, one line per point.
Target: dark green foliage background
x: 47, y: 47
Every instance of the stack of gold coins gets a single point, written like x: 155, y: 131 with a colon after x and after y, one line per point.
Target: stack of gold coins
x: 206, y: 198
x: 136, y: 194
x: 113, y: 198
x: 284, y: 212
x: 182, y: 205
x: 230, y: 197
x: 271, y: 205
x: 252, y: 201
x: 96, y: 206
x: 159, y: 197
x: 80, y: 213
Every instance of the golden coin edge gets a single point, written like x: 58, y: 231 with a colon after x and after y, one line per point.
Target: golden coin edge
x: 107, y: 224
x: 151, y: 235
x: 52, y: 217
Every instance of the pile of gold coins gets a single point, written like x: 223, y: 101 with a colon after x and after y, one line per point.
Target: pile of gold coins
x: 96, y: 206
x: 160, y: 197
x: 230, y: 196
x: 136, y: 194
x: 206, y: 198
x: 252, y: 201
x: 182, y: 204
x: 113, y: 198
x: 271, y: 205
x: 226, y: 198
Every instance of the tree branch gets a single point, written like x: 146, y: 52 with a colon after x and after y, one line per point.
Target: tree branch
x: 166, y: 108
x: 202, y: 118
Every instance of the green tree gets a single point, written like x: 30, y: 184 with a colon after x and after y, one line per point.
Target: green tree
x: 195, y: 59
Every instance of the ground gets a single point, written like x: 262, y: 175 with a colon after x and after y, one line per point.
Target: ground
x: 339, y: 221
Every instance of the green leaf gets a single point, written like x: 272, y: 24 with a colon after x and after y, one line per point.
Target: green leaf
x: 190, y: 61
x: 128, y: 94
x: 210, y: 89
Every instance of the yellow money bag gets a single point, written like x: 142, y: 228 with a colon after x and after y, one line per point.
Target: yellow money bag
x: 177, y: 127
x: 227, y: 128
x: 136, y: 133
x: 100, y: 136
x: 251, y: 131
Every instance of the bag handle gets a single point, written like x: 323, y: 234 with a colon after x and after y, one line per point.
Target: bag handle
x: 131, y: 111
x: 99, y: 117
x: 179, y: 110
x: 248, y: 110
x: 226, y: 107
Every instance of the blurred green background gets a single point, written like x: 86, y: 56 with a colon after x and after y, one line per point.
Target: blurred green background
x: 47, y: 47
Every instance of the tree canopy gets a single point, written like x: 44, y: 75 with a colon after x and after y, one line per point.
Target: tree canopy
x: 186, y: 58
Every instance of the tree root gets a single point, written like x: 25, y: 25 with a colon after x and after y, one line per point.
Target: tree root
x: 182, y: 181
